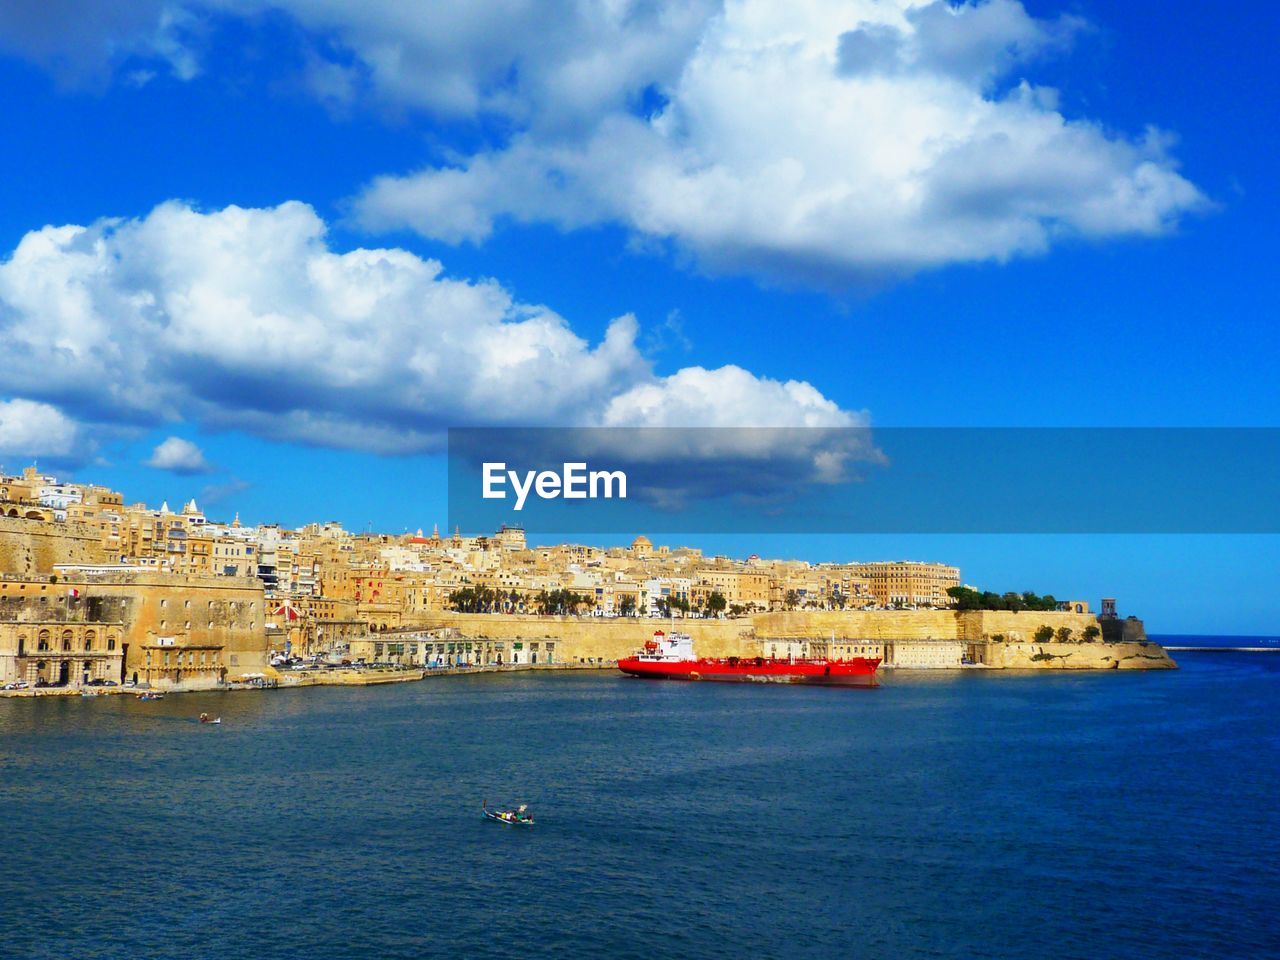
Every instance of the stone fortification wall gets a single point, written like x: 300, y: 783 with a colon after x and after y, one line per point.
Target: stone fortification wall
x: 62, y: 610
x: 1079, y: 656
x: 859, y: 624
x: 599, y: 638
x: 227, y: 612
x: 970, y: 625
x: 34, y: 546
x: 613, y: 638
x: 609, y: 639
x: 985, y: 624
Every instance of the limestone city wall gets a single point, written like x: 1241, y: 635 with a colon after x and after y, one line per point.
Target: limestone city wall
x: 610, y: 638
x: 34, y: 546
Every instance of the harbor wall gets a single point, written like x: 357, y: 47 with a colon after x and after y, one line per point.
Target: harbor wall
x: 1079, y: 656
x: 587, y: 638
x: 970, y: 625
x: 934, y: 638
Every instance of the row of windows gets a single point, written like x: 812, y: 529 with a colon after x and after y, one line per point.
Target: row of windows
x: 233, y: 604
x: 234, y: 625
x: 175, y: 658
x: 45, y: 640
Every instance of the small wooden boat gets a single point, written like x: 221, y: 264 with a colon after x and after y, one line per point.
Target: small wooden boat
x: 151, y: 696
x: 205, y: 718
x: 519, y: 817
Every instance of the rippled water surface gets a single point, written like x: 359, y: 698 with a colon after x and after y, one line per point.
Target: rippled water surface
x: 949, y: 815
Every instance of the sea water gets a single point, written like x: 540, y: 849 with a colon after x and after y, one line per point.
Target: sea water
x: 944, y: 814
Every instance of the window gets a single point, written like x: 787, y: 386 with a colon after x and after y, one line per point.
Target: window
x: 89, y: 637
x: 42, y: 640
x: 66, y: 639
x: 111, y: 643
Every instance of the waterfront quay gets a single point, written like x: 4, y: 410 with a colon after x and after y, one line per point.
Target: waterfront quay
x: 314, y: 677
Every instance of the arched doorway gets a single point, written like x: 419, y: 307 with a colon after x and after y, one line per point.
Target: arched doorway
x: 64, y: 673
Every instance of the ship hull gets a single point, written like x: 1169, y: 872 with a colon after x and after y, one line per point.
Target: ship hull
x: 859, y: 672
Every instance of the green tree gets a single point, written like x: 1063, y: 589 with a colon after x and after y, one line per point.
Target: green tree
x: 966, y: 598
x: 1091, y: 633
x: 716, y: 603
x: 1064, y: 634
x: 791, y: 600
x: 1044, y: 634
x: 627, y: 606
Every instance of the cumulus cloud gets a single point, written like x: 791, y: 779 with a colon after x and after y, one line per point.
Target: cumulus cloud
x: 833, y: 143
x: 549, y: 64
x: 31, y: 429
x: 247, y: 319
x: 178, y: 456
x: 829, y: 142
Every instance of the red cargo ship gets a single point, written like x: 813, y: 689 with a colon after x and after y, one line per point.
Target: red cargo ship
x: 670, y: 657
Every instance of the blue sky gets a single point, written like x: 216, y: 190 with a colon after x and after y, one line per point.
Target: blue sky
x: 1032, y: 291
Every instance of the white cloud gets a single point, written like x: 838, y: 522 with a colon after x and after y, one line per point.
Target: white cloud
x: 246, y: 319
x: 550, y: 64
x: 726, y: 397
x: 179, y: 456
x: 829, y: 143
x: 32, y: 429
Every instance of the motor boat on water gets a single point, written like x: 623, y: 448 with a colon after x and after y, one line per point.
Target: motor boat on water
x: 670, y: 656
x: 519, y: 817
x: 205, y: 718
